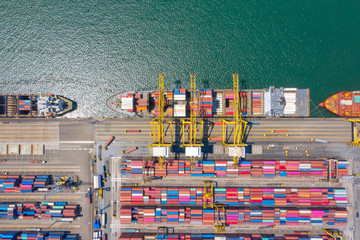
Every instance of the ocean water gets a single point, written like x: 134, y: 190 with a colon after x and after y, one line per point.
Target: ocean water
x: 88, y: 50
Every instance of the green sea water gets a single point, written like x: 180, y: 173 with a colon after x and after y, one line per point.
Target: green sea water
x: 88, y: 50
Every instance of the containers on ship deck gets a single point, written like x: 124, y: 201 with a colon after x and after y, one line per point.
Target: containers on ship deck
x: 206, y: 102
x: 233, y: 216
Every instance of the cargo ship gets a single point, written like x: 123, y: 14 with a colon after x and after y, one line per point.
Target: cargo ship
x: 344, y: 104
x: 34, y: 105
x: 269, y: 102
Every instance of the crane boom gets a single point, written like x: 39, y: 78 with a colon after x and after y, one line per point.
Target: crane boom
x: 157, y: 125
x: 239, y: 125
x: 193, y: 143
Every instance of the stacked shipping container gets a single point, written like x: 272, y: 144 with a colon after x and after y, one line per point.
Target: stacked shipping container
x: 37, y: 236
x: 47, y: 210
x: 233, y: 216
x: 206, y: 103
x: 25, y: 105
x: 247, y: 168
x: 232, y: 196
x: 23, y: 184
x: 209, y: 236
x: 256, y: 99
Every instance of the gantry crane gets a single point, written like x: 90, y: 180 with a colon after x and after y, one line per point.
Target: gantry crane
x: 333, y: 233
x: 236, y: 149
x: 208, y: 195
x: 159, y: 146
x: 355, y: 132
x: 193, y: 145
x: 220, y: 220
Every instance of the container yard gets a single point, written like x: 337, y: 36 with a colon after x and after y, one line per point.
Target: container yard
x: 225, y: 168
x: 60, y: 211
x: 23, y: 184
x: 235, y: 196
x: 37, y: 236
x: 191, y: 236
x: 291, y: 189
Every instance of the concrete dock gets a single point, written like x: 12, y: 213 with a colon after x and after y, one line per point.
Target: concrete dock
x: 72, y: 144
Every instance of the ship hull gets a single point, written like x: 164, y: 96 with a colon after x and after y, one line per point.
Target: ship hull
x: 209, y: 103
x: 343, y: 104
x: 34, y: 105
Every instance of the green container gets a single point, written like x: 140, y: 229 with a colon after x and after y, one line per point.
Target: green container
x: 356, y: 99
x: 58, y: 207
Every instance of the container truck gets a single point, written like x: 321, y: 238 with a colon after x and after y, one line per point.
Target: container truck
x: 100, y: 193
x: 107, y: 144
x: 97, y: 181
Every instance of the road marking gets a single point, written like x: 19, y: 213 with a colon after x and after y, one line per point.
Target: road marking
x: 84, y: 142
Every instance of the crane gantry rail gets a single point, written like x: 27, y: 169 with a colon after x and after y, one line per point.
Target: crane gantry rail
x: 236, y: 148
x: 355, y: 142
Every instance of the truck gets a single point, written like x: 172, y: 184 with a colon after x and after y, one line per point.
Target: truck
x: 97, y: 181
x: 318, y: 140
x: 100, y: 193
x: 103, y: 219
x: 107, y: 144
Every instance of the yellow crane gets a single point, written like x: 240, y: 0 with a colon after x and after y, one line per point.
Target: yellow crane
x: 236, y: 148
x: 333, y: 233
x: 192, y: 145
x: 208, y: 195
x: 220, y: 220
x: 355, y: 133
x: 159, y: 146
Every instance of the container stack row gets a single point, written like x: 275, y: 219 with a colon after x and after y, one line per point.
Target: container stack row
x: 235, y: 196
x: 180, y: 102
x: 46, y: 210
x: 218, y: 104
x: 256, y: 100
x: 13, y: 235
x: 233, y: 216
x: 247, y: 168
x: 233, y: 236
x: 127, y: 102
x: 141, y: 103
x: 168, y: 99
x: 23, y: 184
x: 206, y: 102
x: 24, y: 105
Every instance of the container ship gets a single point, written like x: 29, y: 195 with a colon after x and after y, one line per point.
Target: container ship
x: 269, y: 102
x: 34, y: 105
x: 344, y: 104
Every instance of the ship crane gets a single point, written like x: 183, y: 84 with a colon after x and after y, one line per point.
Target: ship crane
x: 192, y: 144
x: 160, y: 147
x: 355, y: 132
x: 237, y: 147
